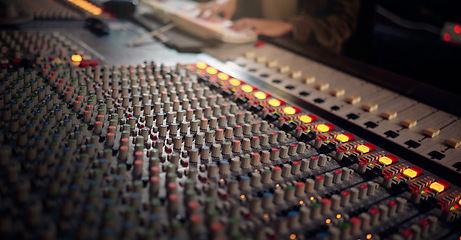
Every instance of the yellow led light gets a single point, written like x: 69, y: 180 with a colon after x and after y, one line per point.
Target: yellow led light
x: 235, y: 82
x: 76, y: 58
x: 247, y: 88
x: 211, y: 70
x: 202, y: 65
x: 342, y: 138
x: 410, y: 173
x: 274, y: 102
x: 305, y: 118
x: 369, y: 236
x: 242, y: 196
x: 323, y: 128
x: 260, y: 95
x: 289, y: 110
x: 301, y: 202
x: 293, y: 236
x: 311, y: 198
x: 328, y: 221
x: 338, y: 215
x: 223, y: 76
x: 363, y: 148
x: 436, y: 186
x: 386, y: 161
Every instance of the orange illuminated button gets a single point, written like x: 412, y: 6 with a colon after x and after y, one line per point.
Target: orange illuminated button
x: 235, y: 82
x: 412, y: 172
x: 247, y: 88
x: 291, y: 110
x: 308, y: 118
x: 439, y: 186
x: 388, y: 160
x: 325, y: 127
x: 345, y: 137
x: 275, y: 102
x: 223, y: 76
x: 76, y: 58
x: 201, y: 65
x: 211, y: 70
x: 364, y: 148
x: 261, y: 95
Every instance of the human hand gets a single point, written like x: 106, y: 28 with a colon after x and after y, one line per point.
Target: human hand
x: 270, y: 28
x: 226, y: 8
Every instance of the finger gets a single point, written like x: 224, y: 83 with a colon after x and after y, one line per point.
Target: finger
x: 204, y: 8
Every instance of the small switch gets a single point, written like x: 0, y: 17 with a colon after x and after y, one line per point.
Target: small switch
x: 322, y: 86
x: 353, y: 99
x: 260, y: 59
x: 272, y: 63
x: 284, y: 69
x: 454, y: 142
x: 308, y: 80
x: 389, y: 114
x: 296, y: 74
x: 409, y: 122
x: 338, y: 92
x: 370, y: 107
x: 431, y: 132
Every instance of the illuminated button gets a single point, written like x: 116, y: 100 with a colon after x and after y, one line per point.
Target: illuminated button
x: 364, y: 148
x: 439, y: 186
x: 247, y: 88
x: 353, y: 99
x: 454, y: 142
x: 76, y: 58
x: 296, y: 74
x: 308, y: 118
x: 261, y: 95
x: 272, y: 63
x: 345, y: 137
x: 235, y: 82
x: 275, y: 102
x: 325, y: 127
x: 249, y: 54
x: 370, y: 107
x: 412, y: 172
x: 308, y: 80
x: 338, y: 92
x: 409, y: 122
x: 284, y: 69
x: 388, y: 160
x: 389, y: 114
x: 260, y: 59
x: 211, y: 70
x: 291, y: 110
x: 322, y: 86
x: 431, y: 132
x: 201, y: 65
x: 223, y: 76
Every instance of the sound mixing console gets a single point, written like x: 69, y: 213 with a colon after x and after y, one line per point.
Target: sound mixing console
x: 269, y: 145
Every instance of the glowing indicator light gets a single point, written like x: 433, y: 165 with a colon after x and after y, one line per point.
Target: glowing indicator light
x: 412, y: 172
x: 261, y: 95
x: 311, y: 198
x: 345, y: 137
x: 364, y: 148
x: 266, y: 215
x: 446, y: 37
x: 328, y: 221
x: 308, y: 118
x: 388, y: 160
x: 369, y: 236
x: 325, y: 127
x: 247, y: 88
x: 223, y: 76
x: 275, y: 102
x: 201, y: 65
x: 301, y: 202
x: 211, y: 70
x: 293, y: 236
x: 235, y: 82
x: 76, y: 58
x: 93, y: 9
x: 242, y: 196
x: 338, y: 216
x: 291, y: 110
x: 439, y: 186
x: 457, y: 29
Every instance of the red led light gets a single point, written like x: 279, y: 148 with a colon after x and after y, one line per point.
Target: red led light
x: 446, y: 37
x: 457, y: 29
